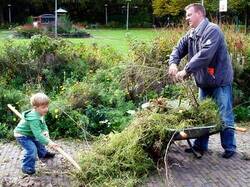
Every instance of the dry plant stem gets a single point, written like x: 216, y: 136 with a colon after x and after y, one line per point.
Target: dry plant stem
x: 153, y: 82
x: 187, y: 87
x: 168, y: 182
x: 55, y: 173
x: 143, y: 69
x: 84, y: 131
x: 241, y: 104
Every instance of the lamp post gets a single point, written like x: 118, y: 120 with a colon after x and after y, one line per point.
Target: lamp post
x: 9, y: 5
x: 106, y: 14
x: 127, y: 13
x: 55, y: 18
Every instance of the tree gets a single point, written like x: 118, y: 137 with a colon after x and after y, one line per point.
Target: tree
x: 79, y: 10
x: 242, y: 7
x: 169, y: 7
x: 3, y: 5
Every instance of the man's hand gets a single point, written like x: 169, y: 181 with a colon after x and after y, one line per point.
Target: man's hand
x: 172, y: 70
x: 180, y: 75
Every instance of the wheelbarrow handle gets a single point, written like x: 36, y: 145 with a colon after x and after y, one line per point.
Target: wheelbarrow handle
x: 184, y: 135
x: 240, y: 129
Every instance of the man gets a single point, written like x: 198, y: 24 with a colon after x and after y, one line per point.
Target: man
x: 210, y: 64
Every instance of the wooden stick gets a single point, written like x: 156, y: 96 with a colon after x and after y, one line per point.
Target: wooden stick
x: 241, y: 129
x: 15, y: 111
x: 60, y: 150
x: 67, y: 156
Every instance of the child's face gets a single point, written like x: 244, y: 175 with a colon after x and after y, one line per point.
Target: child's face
x: 42, y: 109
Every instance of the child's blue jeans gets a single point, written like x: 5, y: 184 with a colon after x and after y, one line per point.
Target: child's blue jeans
x: 32, y: 148
x: 223, y: 97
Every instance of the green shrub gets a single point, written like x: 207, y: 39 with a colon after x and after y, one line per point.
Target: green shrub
x: 6, y: 133
x: 100, y: 99
x: 172, y: 91
x: 98, y: 57
x: 41, y: 45
x: 238, y: 45
x: 63, y: 121
x: 98, y: 122
x: 39, y: 61
x: 242, y: 113
x: 26, y: 31
x: 14, y: 63
x: 64, y: 24
x: 81, y: 94
x: 147, y: 72
x: 29, y: 20
x: 10, y: 96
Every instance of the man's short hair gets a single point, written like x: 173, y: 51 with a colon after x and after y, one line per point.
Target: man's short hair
x: 197, y: 7
x: 39, y: 99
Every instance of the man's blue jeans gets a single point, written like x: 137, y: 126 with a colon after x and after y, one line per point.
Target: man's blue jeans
x: 32, y: 148
x: 223, y: 97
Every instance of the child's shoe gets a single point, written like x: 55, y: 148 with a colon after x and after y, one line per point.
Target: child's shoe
x: 28, y: 171
x: 49, y: 155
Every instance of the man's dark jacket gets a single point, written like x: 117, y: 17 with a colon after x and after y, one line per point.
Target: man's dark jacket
x: 208, y: 58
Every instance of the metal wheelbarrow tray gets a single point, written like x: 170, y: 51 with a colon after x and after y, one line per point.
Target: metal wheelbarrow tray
x: 197, y: 132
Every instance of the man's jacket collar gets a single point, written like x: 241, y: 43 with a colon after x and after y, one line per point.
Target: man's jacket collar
x: 193, y: 34
x: 202, y: 27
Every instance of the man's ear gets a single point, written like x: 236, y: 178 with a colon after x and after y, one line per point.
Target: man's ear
x: 199, y: 13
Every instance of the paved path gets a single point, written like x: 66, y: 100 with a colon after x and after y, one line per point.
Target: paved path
x: 211, y: 170
x: 184, y: 170
x: 53, y: 172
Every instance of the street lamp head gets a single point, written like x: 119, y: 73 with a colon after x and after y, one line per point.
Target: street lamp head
x: 9, y: 5
x: 61, y: 11
x: 106, y: 5
x: 128, y: 0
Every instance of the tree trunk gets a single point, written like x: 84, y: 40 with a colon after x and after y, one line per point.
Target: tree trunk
x: 246, y: 18
x: 1, y: 15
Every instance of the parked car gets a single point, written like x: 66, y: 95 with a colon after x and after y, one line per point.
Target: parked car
x: 46, y: 20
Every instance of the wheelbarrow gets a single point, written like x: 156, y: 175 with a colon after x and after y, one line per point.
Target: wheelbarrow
x: 198, y: 132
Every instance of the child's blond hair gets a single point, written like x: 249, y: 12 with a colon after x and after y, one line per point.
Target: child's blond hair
x: 39, y: 99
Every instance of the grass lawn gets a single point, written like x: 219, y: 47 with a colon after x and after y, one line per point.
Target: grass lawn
x: 4, y: 34
x: 117, y: 38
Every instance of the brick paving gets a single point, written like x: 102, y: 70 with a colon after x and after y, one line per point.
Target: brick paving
x: 184, y: 169
x: 54, y: 172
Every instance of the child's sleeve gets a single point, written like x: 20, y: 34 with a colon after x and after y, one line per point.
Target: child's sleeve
x: 38, y: 132
x: 44, y: 126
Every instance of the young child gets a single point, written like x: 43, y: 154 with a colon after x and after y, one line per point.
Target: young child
x: 32, y: 133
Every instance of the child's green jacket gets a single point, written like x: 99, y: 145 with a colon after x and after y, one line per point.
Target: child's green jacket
x: 33, y: 125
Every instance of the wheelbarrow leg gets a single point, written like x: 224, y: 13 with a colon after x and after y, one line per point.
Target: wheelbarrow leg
x: 196, y: 154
